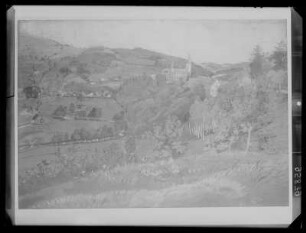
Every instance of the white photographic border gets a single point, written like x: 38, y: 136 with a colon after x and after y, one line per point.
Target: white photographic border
x: 212, y: 216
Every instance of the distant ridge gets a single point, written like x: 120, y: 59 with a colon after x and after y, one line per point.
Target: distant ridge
x: 92, y: 64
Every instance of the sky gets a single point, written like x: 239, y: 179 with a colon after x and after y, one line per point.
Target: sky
x: 218, y: 41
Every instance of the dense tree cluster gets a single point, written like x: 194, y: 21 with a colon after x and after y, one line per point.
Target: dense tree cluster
x: 269, y: 71
x: 240, y: 112
x: 95, y: 113
x: 32, y: 92
x: 68, y: 165
x: 62, y: 111
x: 84, y: 134
x: 166, y: 138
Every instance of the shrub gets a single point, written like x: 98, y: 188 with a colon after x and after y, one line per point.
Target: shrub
x: 64, y: 70
x: 72, y: 108
x: 72, y: 164
x: 60, y: 111
x: 32, y: 91
x: 75, y: 136
x: 95, y: 113
x: 165, y: 139
x: 279, y: 56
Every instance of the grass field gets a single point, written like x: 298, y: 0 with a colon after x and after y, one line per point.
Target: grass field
x: 31, y: 157
x: 194, y: 181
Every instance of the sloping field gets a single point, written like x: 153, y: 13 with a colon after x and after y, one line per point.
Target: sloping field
x: 224, y: 180
x: 31, y: 157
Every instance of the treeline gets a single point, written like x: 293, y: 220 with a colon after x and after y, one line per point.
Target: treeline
x: 73, y: 110
x: 269, y: 71
x: 84, y: 135
x: 248, y: 114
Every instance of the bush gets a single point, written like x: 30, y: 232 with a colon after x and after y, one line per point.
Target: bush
x: 165, y: 140
x: 72, y: 164
x: 72, y: 108
x: 32, y: 92
x: 60, y: 111
x: 64, y: 70
x: 75, y: 136
x: 279, y: 56
x: 95, y: 113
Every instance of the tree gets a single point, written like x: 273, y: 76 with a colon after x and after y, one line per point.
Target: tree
x: 32, y: 92
x: 276, y: 79
x: 103, y: 132
x: 85, y: 134
x: 82, y: 70
x: 95, y: 113
x: 75, y: 136
x: 60, y: 111
x: 167, y: 137
x: 64, y: 70
x: 246, y: 110
x: 81, y: 114
x: 120, y: 126
x: 199, y: 90
x: 72, y: 108
x: 279, y: 56
x: 66, y: 137
x: 260, y: 65
x: 109, y: 132
x: 257, y: 60
x: 118, y: 116
x: 96, y: 134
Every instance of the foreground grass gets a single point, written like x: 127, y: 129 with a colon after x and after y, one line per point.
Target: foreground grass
x: 149, y: 198
x: 225, y: 180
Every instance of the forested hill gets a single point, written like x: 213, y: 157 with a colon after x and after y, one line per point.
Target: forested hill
x: 50, y: 62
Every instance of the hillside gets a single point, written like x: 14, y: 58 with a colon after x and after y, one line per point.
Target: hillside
x: 38, y: 57
x: 102, y: 127
x: 42, y: 47
x: 50, y: 62
x: 216, y: 68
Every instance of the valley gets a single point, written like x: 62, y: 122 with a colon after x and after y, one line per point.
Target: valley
x: 113, y: 128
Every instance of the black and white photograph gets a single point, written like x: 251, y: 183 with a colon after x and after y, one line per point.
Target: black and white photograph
x: 153, y: 113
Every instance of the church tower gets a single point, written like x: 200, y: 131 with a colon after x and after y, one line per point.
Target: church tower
x: 188, y: 66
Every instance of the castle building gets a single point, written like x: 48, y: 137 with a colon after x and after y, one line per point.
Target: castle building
x: 177, y: 74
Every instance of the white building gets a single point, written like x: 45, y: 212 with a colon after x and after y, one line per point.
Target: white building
x: 177, y: 74
x: 214, y: 88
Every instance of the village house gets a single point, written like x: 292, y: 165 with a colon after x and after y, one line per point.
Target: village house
x: 178, y: 74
